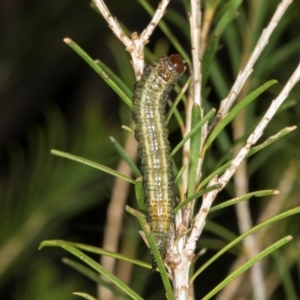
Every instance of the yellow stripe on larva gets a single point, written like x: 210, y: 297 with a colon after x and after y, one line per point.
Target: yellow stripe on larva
x: 151, y: 93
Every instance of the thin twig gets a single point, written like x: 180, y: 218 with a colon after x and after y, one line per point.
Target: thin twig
x: 195, y: 92
x: 195, y: 24
x: 115, y: 213
x: 183, y: 217
x: 245, y: 73
x: 238, y: 287
x: 207, y: 21
x: 160, y: 11
x: 251, y: 244
x: 114, y: 25
x: 254, y: 136
x: 135, y: 44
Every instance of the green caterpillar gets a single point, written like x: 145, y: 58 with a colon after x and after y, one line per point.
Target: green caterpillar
x: 150, y: 96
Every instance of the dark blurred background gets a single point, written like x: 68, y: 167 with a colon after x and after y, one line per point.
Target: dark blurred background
x: 50, y: 98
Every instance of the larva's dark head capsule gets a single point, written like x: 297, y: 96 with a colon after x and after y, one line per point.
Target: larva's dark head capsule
x: 177, y: 62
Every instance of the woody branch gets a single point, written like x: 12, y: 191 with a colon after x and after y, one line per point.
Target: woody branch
x: 245, y: 73
x: 135, y: 44
x: 254, y: 136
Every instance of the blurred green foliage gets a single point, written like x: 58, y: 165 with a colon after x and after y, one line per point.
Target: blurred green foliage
x: 40, y: 194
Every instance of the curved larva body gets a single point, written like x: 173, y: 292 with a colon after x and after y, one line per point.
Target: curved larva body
x: 151, y: 93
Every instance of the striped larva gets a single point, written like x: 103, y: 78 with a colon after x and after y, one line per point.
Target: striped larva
x: 150, y: 96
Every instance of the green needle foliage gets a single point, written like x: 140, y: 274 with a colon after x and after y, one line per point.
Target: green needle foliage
x: 51, y: 192
x: 226, y: 24
x: 43, y: 191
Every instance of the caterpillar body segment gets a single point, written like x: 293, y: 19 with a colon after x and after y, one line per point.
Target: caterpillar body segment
x: 150, y: 96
